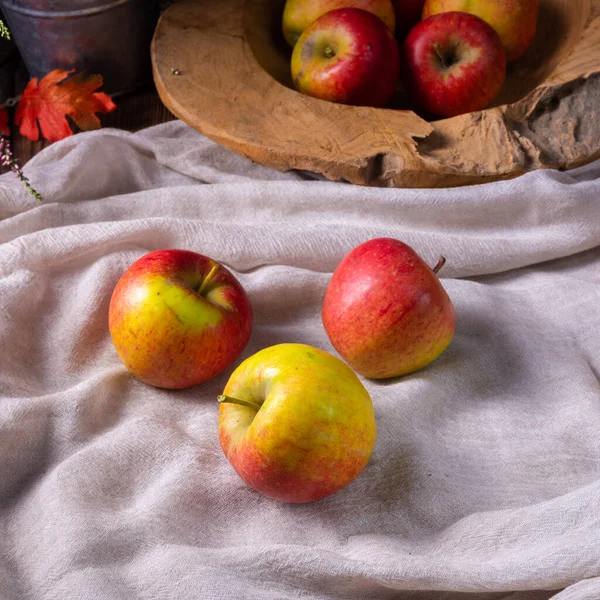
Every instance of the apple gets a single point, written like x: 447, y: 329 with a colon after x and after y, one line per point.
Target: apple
x: 299, y: 14
x: 453, y: 63
x: 178, y: 318
x: 296, y: 423
x: 408, y: 14
x: 348, y: 56
x: 385, y: 311
x: 515, y: 21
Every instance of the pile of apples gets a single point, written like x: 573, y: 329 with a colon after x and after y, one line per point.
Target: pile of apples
x: 451, y: 55
x: 295, y: 422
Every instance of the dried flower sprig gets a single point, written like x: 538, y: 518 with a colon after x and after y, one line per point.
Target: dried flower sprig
x: 8, y: 160
x: 4, y: 32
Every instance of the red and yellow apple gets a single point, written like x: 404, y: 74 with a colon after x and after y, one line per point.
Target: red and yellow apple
x: 453, y: 63
x: 515, y: 21
x: 385, y: 310
x: 299, y: 14
x: 349, y: 56
x: 408, y: 14
x: 296, y: 423
x: 178, y: 318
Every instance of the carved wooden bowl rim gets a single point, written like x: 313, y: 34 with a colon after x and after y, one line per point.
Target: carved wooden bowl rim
x: 207, y: 69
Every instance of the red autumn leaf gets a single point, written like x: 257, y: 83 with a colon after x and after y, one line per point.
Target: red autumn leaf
x: 4, y: 130
x: 56, y: 96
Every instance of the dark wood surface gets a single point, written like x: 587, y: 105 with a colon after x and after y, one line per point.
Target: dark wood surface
x: 135, y: 111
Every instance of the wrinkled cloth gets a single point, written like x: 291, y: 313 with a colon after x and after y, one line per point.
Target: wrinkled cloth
x: 485, y: 479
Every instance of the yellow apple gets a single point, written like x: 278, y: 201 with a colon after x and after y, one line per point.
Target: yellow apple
x: 178, y: 318
x: 299, y: 14
x: 296, y: 423
x: 515, y: 21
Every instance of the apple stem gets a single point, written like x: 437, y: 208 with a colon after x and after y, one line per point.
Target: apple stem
x: 223, y: 399
x: 440, y: 263
x: 208, y: 279
x: 329, y: 53
x: 440, y: 55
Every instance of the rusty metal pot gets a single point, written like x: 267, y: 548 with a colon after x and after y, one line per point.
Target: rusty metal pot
x: 110, y: 37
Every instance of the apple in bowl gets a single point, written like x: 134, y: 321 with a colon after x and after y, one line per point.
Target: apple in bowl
x: 453, y: 63
x: 348, y: 56
x: 296, y: 423
x: 299, y: 14
x: 385, y: 310
x: 515, y: 21
x: 178, y: 318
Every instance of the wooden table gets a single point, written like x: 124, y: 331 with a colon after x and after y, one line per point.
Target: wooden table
x: 135, y: 111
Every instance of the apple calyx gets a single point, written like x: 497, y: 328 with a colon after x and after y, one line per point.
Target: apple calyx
x: 208, y: 279
x: 248, y: 403
x: 329, y: 52
x: 440, y: 263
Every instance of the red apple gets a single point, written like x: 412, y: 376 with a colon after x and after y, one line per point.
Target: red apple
x: 178, y: 318
x: 385, y: 311
x: 453, y: 63
x: 408, y: 14
x: 299, y: 14
x: 349, y: 56
x: 515, y: 21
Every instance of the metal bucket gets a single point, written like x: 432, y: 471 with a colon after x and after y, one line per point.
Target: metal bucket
x: 109, y: 37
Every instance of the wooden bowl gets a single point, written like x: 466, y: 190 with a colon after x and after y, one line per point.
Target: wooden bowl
x: 232, y: 83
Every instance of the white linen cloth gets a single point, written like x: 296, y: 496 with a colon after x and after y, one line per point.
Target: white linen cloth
x: 485, y: 480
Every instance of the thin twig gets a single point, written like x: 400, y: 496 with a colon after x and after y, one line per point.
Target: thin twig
x: 11, y: 102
